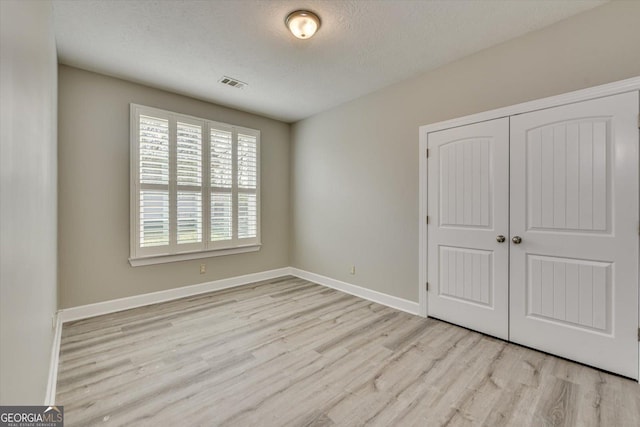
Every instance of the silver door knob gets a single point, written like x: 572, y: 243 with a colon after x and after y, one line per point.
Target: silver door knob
x: 516, y: 240
x: 500, y: 238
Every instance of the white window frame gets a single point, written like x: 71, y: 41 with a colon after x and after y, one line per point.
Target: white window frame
x: 207, y: 248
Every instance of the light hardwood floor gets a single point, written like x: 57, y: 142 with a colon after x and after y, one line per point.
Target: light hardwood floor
x: 287, y: 352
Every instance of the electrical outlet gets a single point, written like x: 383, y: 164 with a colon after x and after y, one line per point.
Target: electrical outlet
x: 353, y: 270
x: 203, y: 268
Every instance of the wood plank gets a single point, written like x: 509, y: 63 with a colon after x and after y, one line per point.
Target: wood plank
x: 289, y: 352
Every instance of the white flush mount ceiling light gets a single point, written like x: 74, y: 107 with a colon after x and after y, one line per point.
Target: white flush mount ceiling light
x: 302, y: 23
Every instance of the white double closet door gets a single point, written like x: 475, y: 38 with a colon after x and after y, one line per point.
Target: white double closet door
x: 533, y: 233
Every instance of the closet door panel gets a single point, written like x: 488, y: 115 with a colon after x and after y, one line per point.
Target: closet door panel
x: 468, y: 207
x: 574, y: 204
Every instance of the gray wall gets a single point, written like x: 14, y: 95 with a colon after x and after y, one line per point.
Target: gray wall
x: 344, y: 192
x: 28, y: 197
x: 94, y: 192
x: 354, y: 175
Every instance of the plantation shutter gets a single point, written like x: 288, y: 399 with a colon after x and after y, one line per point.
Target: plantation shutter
x: 247, y: 166
x: 189, y: 197
x: 221, y: 149
x: 153, y: 200
x: 195, y: 185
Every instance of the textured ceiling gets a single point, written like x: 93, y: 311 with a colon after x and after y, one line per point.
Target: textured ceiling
x: 187, y: 46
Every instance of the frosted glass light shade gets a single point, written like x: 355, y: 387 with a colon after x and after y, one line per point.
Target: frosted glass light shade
x: 302, y: 23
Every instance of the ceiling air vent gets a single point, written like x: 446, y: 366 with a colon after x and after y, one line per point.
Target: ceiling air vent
x: 230, y: 81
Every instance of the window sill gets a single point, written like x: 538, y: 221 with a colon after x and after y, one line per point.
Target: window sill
x: 163, y: 259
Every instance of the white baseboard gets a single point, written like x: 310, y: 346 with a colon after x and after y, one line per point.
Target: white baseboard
x: 368, y: 294
x: 50, y: 396
x: 112, y: 306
